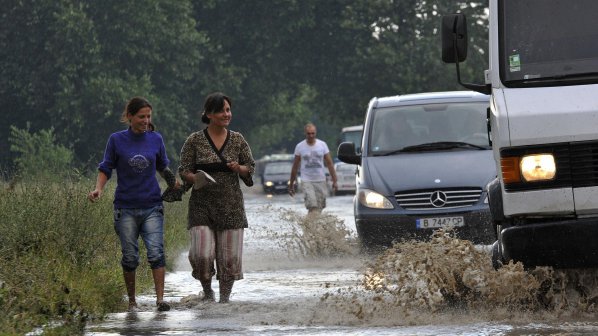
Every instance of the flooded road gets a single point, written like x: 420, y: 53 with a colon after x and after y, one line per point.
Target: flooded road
x: 307, y: 277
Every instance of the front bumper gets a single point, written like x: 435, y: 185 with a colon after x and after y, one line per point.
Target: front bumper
x: 563, y: 244
x: 387, y: 229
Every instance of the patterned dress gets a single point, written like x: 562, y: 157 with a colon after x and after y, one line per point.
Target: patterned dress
x: 218, y: 205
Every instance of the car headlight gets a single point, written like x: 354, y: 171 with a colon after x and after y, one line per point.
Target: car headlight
x: 372, y: 199
x: 539, y: 167
x: 534, y: 167
x: 269, y: 183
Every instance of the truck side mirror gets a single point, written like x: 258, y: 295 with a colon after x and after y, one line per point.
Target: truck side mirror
x: 454, y: 38
x: 488, y: 126
x: 346, y: 153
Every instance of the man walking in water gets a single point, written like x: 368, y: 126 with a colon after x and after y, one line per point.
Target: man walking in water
x: 311, y: 155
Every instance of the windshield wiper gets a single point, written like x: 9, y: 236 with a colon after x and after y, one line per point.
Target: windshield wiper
x: 435, y: 146
x: 561, y: 77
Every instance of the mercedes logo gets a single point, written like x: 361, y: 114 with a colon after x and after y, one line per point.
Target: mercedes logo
x: 438, y: 199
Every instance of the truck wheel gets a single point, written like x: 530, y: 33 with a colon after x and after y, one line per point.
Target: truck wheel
x: 497, y: 259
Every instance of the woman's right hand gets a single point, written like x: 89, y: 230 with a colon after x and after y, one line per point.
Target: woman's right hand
x: 94, y: 195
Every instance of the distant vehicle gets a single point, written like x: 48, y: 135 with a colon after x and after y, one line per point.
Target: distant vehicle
x: 261, y: 163
x: 276, y: 177
x: 352, y: 134
x: 424, y: 164
x: 345, y: 178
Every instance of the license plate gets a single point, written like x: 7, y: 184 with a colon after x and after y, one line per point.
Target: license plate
x: 438, y: 222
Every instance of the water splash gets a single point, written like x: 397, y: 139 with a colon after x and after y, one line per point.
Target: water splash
x: 317, y: 236
x: 446, y: 276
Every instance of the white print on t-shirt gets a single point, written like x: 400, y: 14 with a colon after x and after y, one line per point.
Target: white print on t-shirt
x: 313, y: 159
x: 139, y: 163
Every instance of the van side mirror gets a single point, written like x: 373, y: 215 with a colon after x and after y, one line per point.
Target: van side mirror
x: 346, y: 153
x: 454, y: 38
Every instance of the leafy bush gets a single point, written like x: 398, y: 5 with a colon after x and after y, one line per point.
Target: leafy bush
x: 39, y: 155
x: 60, y: 255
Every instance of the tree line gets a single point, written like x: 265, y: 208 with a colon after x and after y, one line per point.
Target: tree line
x: 69, y: 66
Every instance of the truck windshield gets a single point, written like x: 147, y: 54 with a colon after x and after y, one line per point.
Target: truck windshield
x: 548, y: 42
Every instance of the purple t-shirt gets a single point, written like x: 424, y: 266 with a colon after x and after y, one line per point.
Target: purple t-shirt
x: 136, y: 158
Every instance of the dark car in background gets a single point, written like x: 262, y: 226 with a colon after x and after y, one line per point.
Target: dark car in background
x: 275, y: 178
x: 424, y: 164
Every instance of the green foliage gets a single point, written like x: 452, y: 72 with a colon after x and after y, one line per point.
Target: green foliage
x: 60, y: 256
x: 283, y: 129
x: 39, y: 155
x: 72, y: 65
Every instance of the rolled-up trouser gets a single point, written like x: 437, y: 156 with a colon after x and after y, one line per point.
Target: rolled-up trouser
x: 148, y: 223
x: 224, y: 247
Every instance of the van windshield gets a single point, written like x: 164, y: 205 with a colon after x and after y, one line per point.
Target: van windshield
x: 548, y: 42
x: 395, y: 128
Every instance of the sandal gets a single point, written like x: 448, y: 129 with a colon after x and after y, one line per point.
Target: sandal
x: 163, y: 306
x: 133, y: 307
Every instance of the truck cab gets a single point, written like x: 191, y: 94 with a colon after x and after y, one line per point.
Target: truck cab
x: 543, y: 125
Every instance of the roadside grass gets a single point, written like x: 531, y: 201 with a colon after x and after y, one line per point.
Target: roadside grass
x: 60, y: 256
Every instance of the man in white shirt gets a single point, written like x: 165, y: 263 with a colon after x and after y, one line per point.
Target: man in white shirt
x: 311, y: 155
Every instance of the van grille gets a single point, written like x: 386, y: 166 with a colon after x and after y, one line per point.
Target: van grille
x: 433, y: 199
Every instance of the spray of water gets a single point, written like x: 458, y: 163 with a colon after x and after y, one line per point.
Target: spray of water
x: 314, y: 236
x: 447, y: 276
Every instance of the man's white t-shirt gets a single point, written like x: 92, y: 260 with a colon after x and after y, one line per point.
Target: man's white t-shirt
x: 312, y: 160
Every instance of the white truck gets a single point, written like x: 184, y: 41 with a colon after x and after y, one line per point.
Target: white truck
x: 543, y: 127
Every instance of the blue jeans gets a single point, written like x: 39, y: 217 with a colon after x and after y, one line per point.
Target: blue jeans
x: 148, y: 223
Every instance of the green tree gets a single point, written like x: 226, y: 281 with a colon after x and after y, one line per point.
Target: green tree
x: 346, y: 52
x: 38, y: 154
x: 73, y: 65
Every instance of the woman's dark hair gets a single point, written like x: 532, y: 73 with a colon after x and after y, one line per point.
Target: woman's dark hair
x: 214, y: 103
x: 133, y: 106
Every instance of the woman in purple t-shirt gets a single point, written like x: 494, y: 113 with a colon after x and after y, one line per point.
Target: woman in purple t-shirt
x: 137, y: 153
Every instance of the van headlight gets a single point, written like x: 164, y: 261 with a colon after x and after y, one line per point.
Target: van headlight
x: 372, y: 199
x: 269, y: 183
x: 538, y: 167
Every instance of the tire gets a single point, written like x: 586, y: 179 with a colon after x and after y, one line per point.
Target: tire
x: 497, y: 258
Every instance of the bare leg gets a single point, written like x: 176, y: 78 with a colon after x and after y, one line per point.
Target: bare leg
x: 158, y: 274
x: 312, y: 213
x: 130, y: 285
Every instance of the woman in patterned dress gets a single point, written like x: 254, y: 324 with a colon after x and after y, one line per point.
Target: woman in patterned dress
x: 216, y: 218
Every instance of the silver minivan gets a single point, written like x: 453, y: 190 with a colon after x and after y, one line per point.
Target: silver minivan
x: 424, y: 164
